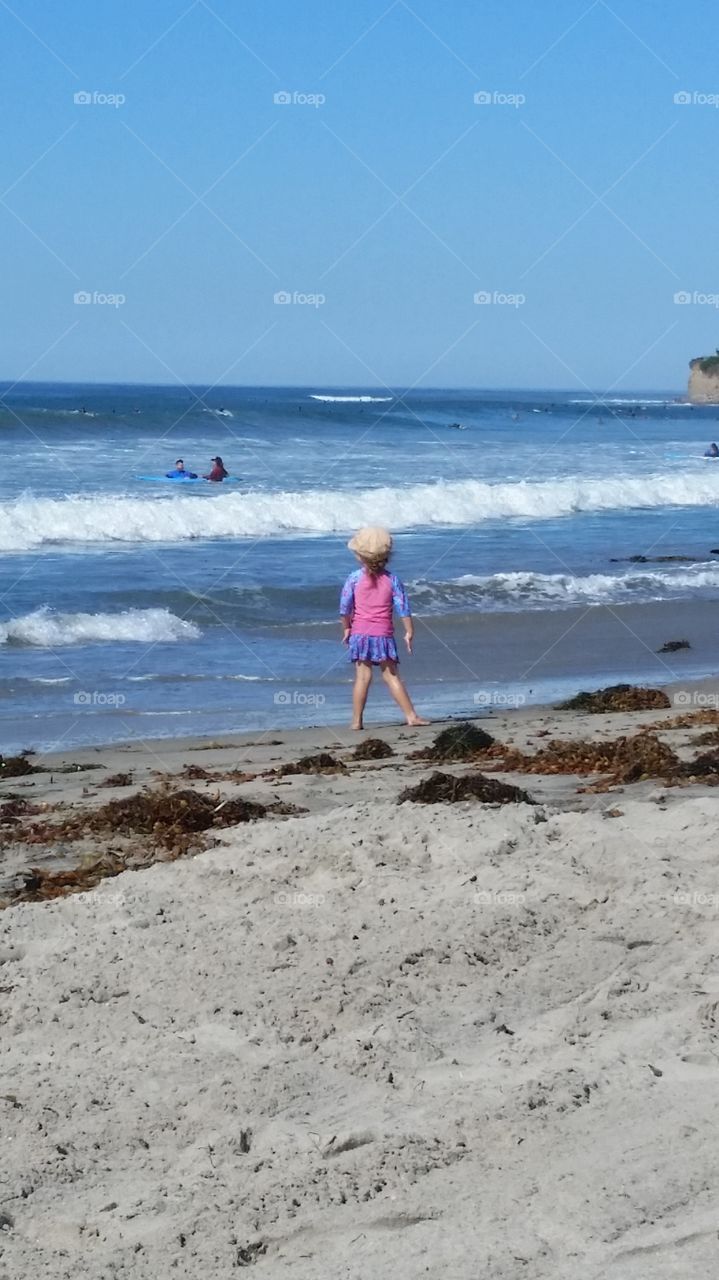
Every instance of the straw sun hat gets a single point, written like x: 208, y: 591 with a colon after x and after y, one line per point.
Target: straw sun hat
x: 372, y: 543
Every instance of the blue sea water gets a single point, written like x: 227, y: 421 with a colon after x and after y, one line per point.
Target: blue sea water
x: 135, y: 608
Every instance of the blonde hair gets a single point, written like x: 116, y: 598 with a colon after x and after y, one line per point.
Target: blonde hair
x: 374, y: 564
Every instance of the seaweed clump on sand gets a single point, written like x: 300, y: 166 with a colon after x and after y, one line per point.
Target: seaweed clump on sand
x: 168, y: 814
x: 15, y: 766
x: 617, y: 697
x: 175, y: 822
x: 196, y: 773
x: 457, y: 742
x: 372, y: 749
x: 323, y: 762
x: 627, y: 759
x: 117, y: 780
x: 172, y: 818
x: 444, y: 788
x: 644, y: 756
x: 708, y: 739
x: 687, y: 720
x: 41, y: 885
x: 16, y: 807
x: 704, y: 767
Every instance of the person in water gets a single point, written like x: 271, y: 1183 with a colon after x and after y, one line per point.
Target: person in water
x: 712, y: 451
x: 218, y: 472
x: 369, y: 597
x: 179, y: 473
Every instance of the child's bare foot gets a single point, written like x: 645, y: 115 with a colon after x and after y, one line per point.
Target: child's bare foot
x: 359, y: 727
x: 415, y: 721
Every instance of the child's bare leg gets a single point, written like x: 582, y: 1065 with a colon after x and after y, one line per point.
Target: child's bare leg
x: 363, y: 680
x: 396, y: 687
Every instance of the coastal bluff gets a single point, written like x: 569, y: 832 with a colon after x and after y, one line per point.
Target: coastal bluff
x: 704, y: 380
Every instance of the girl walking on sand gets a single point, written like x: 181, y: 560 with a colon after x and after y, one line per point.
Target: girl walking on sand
x: 368, y: 599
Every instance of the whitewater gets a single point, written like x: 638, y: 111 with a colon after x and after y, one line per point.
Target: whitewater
x: 49, y: 630
x: 34, y: 522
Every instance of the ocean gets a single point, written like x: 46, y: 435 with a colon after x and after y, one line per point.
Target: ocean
x: 132, y: 608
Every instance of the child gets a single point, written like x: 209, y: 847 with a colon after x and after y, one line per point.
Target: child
x: 368, y: 598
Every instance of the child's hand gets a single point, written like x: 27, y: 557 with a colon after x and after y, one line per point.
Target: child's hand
x: 346, y: 635
x: 408, y: 642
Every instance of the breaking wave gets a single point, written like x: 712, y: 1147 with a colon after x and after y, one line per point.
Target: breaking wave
x: 28, y: 522
x: 49, y: 630
x: 520, y: 591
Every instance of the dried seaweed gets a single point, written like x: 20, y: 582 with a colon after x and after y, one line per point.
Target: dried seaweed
x: 169, y: 817
x: 457, y: 742
x: 444, y: 788
x: 323, y: 762
x: 177, y: 823
x: 372, y: 749
x: 40, y: 885
x: 687, y: 720
x: 117, y: 780
x: 705, y: 766
x: 16, y: 807
x: 617, y: 697
x: 15, y: 766
x: 627, y: 759
x: 165, y: 813
x: 195, y: 773
x: 708, y: 739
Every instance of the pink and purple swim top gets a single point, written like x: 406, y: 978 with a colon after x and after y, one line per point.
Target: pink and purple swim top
x: 369, y: 601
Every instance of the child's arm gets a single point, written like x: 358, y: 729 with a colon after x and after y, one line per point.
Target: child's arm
x: 347, y: 604
x: 408, y: 625
x: 401, y: 606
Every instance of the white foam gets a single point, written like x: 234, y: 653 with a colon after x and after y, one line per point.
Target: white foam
x: 600, y: 400
x: 28, y: 522
x: 354, y: 399
x: 522, y: 590
x: 49, y: 630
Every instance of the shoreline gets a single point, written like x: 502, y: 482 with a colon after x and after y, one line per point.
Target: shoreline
x: 696, y: 694
x: 462, y: 666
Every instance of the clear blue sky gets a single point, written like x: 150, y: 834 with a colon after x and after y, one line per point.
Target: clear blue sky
x: 304, y: 198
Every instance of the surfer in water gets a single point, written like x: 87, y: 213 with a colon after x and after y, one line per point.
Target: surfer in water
x: 179, y: 473
x: 218, y: 472
x: 712, y: 451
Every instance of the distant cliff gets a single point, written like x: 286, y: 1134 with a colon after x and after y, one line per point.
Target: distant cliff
x: 704, y: 379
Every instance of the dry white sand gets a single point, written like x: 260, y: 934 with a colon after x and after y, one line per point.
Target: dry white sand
x: 445, y: 1041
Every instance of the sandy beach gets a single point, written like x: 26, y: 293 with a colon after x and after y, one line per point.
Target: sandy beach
x: 368, y: 1039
